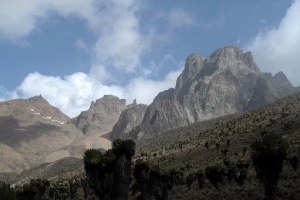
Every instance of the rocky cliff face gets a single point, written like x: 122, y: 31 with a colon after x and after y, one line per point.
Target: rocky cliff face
x: 226, y: 82
x: 101, y: 116
x: 270, y: 88
x: 129, y: 119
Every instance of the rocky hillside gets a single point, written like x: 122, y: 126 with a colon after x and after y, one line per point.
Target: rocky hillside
x: 201, y: 144
x: 129, y: 119
x: 101, y: 116
x: 32, y: 132
x: 207, y: 143
x: 270, y: 88
x: 226, y: 82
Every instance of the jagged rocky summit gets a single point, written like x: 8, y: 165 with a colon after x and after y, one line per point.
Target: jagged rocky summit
x: 226, y: 82
x: 101, y: 116
x: 129, y: 119
x: 110, y: 115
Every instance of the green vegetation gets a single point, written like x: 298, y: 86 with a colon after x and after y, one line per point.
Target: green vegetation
x: 268, y: 156
x: 6, y: 192
x: 109, y: 174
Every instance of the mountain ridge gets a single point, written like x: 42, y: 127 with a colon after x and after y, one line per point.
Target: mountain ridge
x: 221, y: 84
x: 226, y: 82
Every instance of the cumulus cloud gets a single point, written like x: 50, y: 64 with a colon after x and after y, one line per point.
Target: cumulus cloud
x: 121, y: 43
x: 278, y: 49
x: 115, y: 24
x: 73, y: 94
x: 21, y: 20
x: 118, y: 47
x: 144, y: 90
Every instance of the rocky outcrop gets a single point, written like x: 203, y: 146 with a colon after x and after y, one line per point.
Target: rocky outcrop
x: 221, y: 84
x: 101, y: 116
x: 270, y: 88
x: 130, y: 118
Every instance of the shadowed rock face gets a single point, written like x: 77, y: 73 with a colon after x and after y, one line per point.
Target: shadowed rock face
x: 270, y: 88
x: 129, y: 119
x: 101, y: 116
x: 226, y: 82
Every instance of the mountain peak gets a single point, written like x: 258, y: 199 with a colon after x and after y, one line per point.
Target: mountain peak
x: 227, y: 51
x: 110, y: 99
x: 233, y: 58
x: 101, y: 116
x: 39, y: 98
x: 280, y: 76
x: 223, y: 83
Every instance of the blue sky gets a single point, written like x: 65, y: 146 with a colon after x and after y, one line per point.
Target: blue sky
x: 75, y: 51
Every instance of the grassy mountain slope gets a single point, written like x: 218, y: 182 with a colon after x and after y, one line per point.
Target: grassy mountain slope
x: 184, y: 149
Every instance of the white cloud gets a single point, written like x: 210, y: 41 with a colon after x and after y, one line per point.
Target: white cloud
x: 118, y: 46
x: 73, y: 94
x: 144, y: 90
x: 278, y: 49
x: 20, y: 18
x: 119, y: 42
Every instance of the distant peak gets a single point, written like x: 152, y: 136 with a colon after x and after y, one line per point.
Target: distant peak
x: 37, y: 98
x: 109, y: 96
x: 282, y: 79
x: 194, y: 56
x: 227, y: 51
x: 194, y: 63
x: 109, y: 99
x: 280, y: 75
x: 231, y: 54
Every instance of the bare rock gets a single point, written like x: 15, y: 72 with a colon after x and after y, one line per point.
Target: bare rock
x: 270, y: 88
x: 130, y: 118
x: 101, y: 116
x: 221, y: 84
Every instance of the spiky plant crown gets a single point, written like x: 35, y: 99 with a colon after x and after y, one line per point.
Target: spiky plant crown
x: 123, y: 147
x: 108, y: 160
x: 270, y: 144
x: 92, y: 158
x: 142, y: 165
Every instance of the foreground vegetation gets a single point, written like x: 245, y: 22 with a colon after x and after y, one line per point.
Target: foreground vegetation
x: 252, y: 155
x: 108, y: 175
